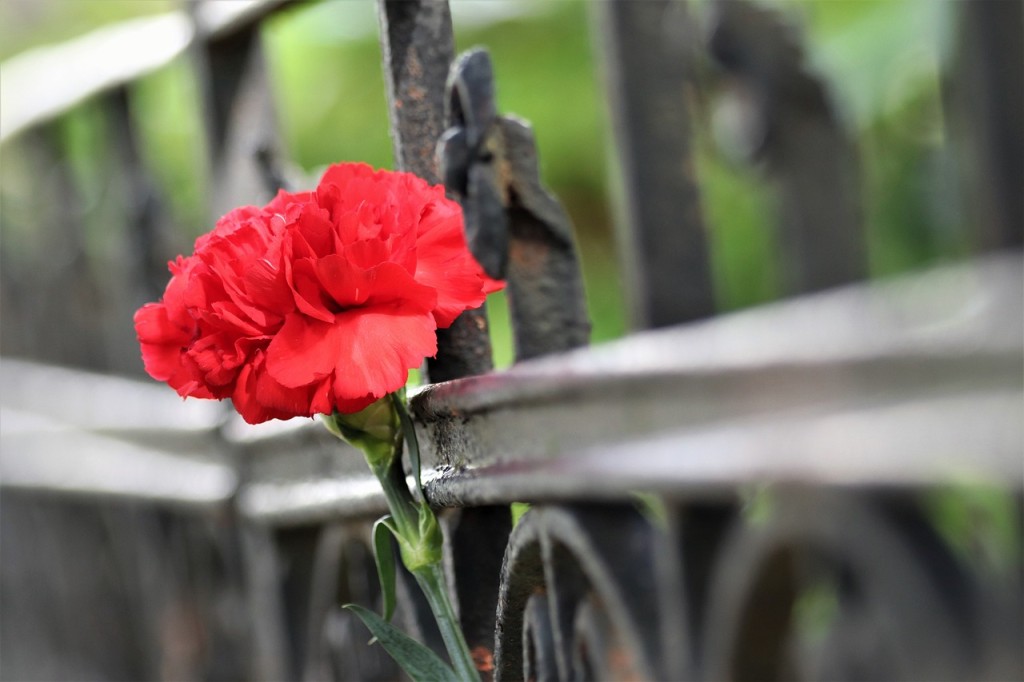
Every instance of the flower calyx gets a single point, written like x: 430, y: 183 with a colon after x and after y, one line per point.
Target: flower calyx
x: 424, y: 550
x: 376, y: 430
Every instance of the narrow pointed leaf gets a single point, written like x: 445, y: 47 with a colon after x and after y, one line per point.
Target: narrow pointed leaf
x: 384, y: 553
x: 409, y: 432
x: 419, y: 662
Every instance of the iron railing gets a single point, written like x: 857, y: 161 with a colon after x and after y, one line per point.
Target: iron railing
x: 766, y: 494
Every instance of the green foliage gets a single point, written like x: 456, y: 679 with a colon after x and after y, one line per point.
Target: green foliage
x: 518, y: 509
x: 384, y: 557
x: 419, y: 663
x: 983, y: 524
x: 169, y: 125
x: 744, y: 261
x: 409, y: 435
x: 326, y: 79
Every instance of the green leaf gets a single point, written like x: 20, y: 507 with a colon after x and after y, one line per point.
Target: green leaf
x: 384, y: 554
x: 419, y: 662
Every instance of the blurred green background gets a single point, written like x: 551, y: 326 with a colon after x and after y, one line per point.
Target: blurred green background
x: 326, y: 72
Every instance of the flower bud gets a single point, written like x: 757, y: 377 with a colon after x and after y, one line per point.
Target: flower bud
x: 376, y: 430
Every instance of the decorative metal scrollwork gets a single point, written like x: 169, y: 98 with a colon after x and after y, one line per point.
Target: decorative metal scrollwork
x: 580, y: 597
x: 331, y: 643
x: 839, y: 586
x: 515, y: 228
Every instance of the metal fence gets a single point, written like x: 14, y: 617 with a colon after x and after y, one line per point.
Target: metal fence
x: 803, y: 490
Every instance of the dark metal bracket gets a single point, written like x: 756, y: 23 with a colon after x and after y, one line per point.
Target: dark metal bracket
x: 515, y: 228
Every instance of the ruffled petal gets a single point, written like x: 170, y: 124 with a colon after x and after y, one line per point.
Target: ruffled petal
x: 353, y: 287
x: 246, y: 396
x: 445, y: 264
x: 154, y: 326
x: 318, y: 302
x: 303, y: 351
x: 376, y: 349
x: 370, y: 350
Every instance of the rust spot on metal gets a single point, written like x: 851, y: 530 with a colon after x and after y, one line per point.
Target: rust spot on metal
x: 620, y: 664
x: 415, y: 67
x: 531, y: 255
x: 483, y: 658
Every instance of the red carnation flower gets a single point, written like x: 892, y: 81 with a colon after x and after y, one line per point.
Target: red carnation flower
x: 319, y: 302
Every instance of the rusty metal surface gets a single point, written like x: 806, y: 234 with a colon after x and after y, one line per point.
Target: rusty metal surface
x: 790, y: 457
x: 51, y: 278
x: 567, y: 571
x: 104, y: 404
x: 819, y: 584
x: 50, y: 458
x: 905, y: 605
x: 418, y: 47
x: 476, y: 538
x: 921, y: 397
x: 115, y: 439
x: 516, y: 229
x: 105, y: 590
x: 913, y: 375
x: 647, y: 50
x: 148, y: 235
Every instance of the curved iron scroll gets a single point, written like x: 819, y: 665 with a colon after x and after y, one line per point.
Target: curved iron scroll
x: 324, y: 568
x: 840, y: 586
x: 515, y: 229
x: 579, y: 597
x: 820, y: 584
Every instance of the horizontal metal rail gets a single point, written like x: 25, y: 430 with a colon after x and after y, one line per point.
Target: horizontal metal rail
x: 46, y: 82
x: 914, y: 382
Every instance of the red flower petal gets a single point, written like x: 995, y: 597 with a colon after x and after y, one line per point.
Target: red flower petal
x: 370, y: 350
x: 163, y: 343
x: 319, y: 301
x: 444, y: 262
x: 154, y: 326
x: 352, y: 287
x: 246, y: 396
x: 377, y: 349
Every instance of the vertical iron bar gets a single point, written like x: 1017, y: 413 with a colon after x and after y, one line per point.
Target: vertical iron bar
x: 142, y: 205
x: 239, y: 115
x: 417, y: 48
x: 698, y: 531
x: 663, y: 238
x: 989, y: 81
x: 477, y: 537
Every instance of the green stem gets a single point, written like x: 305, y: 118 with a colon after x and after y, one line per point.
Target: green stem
x: 432, y: 582
x: 403, y: 507
x: 405, y: 511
